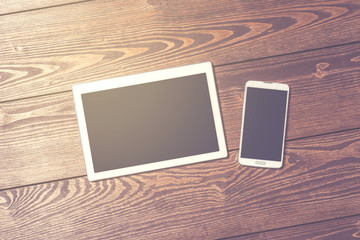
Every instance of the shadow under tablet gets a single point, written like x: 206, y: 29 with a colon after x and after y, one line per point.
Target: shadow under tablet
x: 150, y: 122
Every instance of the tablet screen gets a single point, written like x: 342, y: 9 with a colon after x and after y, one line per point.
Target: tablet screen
x: 141, y: 123
x: 150, y: 122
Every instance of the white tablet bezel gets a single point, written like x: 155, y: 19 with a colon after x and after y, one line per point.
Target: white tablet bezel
x: 160, y: 75
x: 262, y: 162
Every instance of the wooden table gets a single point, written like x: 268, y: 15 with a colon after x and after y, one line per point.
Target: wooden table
x: 48, y: 46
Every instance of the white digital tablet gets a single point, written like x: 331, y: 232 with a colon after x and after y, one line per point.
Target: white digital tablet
x: 149, y: 121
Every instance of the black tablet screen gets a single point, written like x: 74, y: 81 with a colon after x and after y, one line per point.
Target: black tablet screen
x: 150, y: 122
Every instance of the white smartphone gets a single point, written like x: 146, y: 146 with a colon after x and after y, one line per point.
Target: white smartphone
x: 264, y: 124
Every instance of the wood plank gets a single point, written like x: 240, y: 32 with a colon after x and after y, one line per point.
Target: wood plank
x: 324, y: 90
x: 344, y: 228
x: 48, y: 51
x: 39, y: 140
x: 11, y: 6
x: 44, y: 130
x: 320, y: 180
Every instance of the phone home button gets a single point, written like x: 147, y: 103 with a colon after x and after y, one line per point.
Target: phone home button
x: 260, y: 162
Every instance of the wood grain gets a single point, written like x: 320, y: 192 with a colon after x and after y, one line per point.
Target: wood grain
x: 48, y: 51
x: 39, y: 140
x: 344, y: 228
x: 43, y: 52
x: 11, y: 6
x: 324, y: 90
x: 320, y: 180
x: 44, y: 130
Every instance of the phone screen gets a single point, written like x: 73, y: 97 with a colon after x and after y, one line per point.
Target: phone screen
x: 264, y: 121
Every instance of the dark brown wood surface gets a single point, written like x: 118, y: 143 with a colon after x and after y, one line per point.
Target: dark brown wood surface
x: 11, y: 6
x: 314, y: 46
x: 344, y: 228
x: 319, y: 181
x: 48, y: 51
x: 51, y: 120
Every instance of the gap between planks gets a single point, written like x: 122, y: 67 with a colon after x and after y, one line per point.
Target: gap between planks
x: 77, y: 44
x: 216, y: 189
x: 229, y: 151
x: 23, y: 9
x: 214, y: 67
x: 286, y: 54
x: 51, y: 121
x: 291, y: 227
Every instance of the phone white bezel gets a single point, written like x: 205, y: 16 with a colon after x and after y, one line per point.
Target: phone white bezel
x: 262, y: 162
x: 137, y: 79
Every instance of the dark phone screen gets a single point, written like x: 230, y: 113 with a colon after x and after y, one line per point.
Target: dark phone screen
x: 264, y: 121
